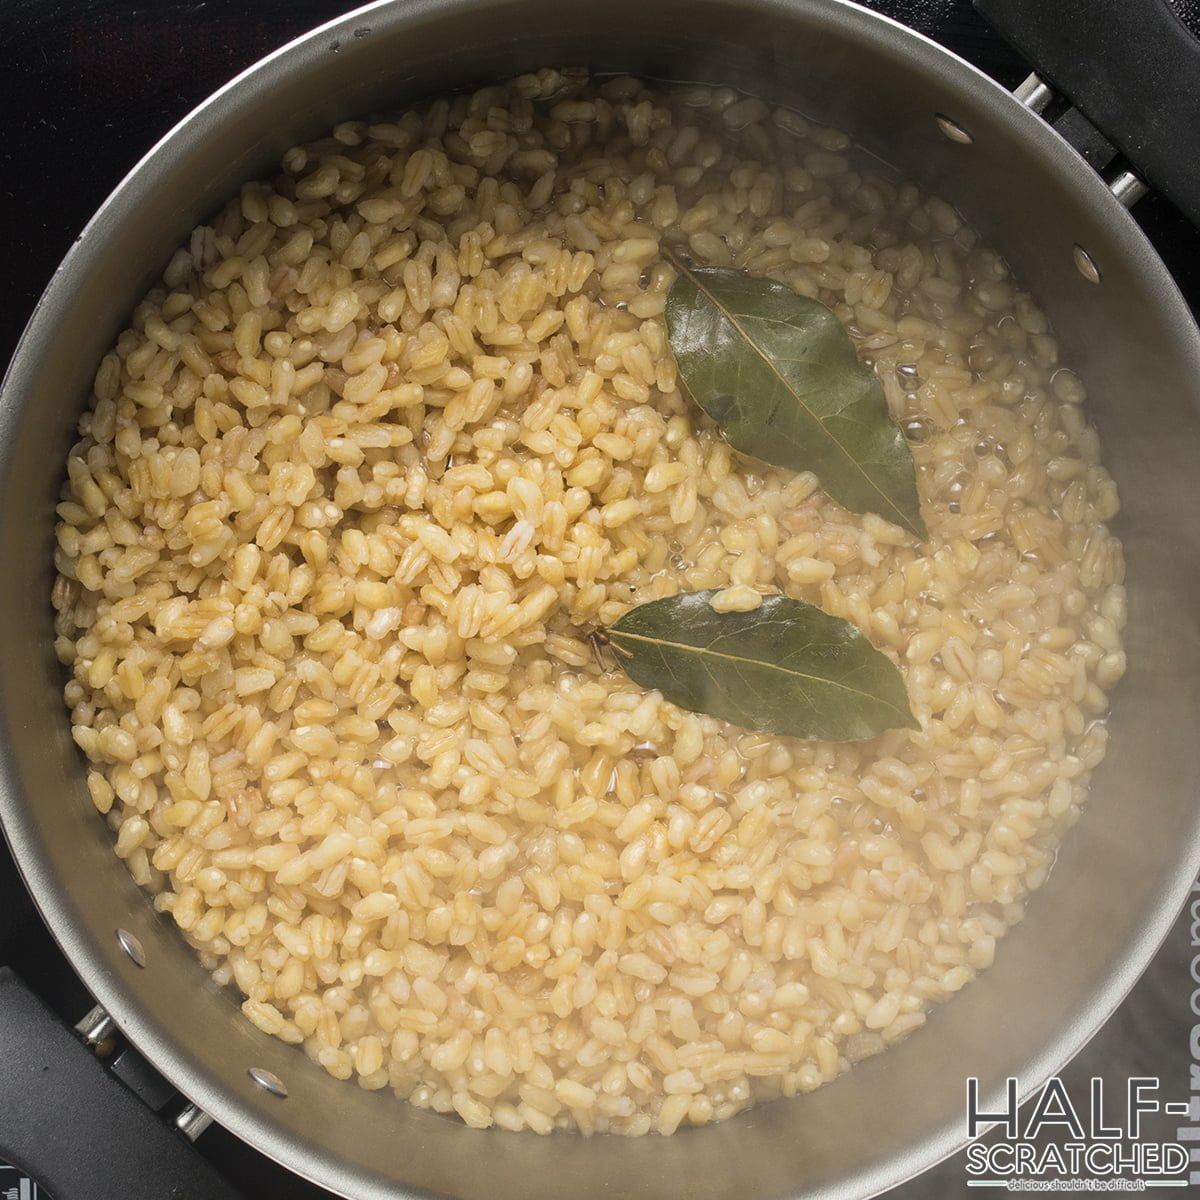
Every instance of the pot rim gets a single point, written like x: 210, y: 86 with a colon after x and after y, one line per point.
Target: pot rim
x: 120, y: 998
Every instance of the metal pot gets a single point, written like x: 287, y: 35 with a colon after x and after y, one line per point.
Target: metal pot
x: 1122, y: 873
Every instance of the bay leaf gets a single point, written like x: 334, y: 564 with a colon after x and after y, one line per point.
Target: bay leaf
x: 780, y: 375
x: 785, y: 668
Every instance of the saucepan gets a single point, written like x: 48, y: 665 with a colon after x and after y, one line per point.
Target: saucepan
x: 1123, y: 871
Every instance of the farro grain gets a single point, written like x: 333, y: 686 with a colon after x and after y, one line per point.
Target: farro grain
x: 400, y: 426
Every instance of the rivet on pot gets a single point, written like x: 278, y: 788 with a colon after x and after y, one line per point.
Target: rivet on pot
x: 952, y: 129
x: 132, y: 946
x: 268, y: 1081
x: 1084, y: 264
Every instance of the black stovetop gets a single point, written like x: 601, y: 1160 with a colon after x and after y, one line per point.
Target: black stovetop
x: 86, y: 86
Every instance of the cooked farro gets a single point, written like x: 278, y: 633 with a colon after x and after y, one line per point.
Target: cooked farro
x: 399, y: 428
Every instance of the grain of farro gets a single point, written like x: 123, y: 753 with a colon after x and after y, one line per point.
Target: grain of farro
x: 401, y: 425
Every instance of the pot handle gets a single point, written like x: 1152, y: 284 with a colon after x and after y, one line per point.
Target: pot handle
x: 76, y: 1128
x: 1132, y: 69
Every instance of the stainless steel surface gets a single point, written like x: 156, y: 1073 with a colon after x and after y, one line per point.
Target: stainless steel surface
x: 1128, y: 188
x: 96, y: 1026
x: 1123, y: 871
x: 192, y: 1121
x: 1034, y: 93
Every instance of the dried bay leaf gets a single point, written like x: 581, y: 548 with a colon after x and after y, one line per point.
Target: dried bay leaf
x: 785, y: 668
x: 780, y: 375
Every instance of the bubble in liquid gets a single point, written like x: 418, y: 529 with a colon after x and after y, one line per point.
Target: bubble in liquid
x: 916, y: 430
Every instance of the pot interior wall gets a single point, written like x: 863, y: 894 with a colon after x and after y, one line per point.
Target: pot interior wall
x: 1124, y: 869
